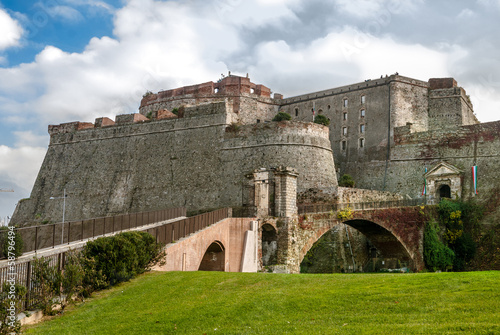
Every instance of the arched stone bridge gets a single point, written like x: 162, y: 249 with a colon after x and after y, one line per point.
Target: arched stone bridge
x: 395, y: 232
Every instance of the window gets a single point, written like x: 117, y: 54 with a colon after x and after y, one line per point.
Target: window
x: 344, y: 131
x: 362, y: 128
x: 363, y: 99
x: 344, y: 145
x: 344, y: 116
x: 362, y: 113
x: 345, y: 102
x: 252, y: 90
x: 216, y: 90
x: 296, y: 112
x: 361, y: 142
x: 258, y: 121
x: 329, y: 106
x: 320, y: 111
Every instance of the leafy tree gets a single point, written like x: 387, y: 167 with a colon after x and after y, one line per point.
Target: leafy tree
x: 282, y: 116
x: 13, y: 243
x: 10, y: 299
x: 321, y: 119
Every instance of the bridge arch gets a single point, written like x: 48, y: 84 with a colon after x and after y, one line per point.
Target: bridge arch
x: 214, y: 258
x: 387, y: 243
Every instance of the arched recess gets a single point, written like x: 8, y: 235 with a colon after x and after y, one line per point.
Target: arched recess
x: 384, y: 241
x: 214, y: 258
x: 444, y: 191
x: 269, y: 245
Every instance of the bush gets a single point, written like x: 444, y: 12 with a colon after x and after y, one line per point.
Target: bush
x: 47, y: 281
x: 282, y: 116
x: 13, y: 242
x: 346, y: 181
x: 321, y: 119
x: 437, y: 256
x: 8, y: 320
x: 118, y: 258
x: 72, y: 277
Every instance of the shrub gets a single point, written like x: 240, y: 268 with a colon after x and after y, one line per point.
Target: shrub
x: 47, y: 281
x: 13, y: 242
x: 118, y: 258
x: 346, y: 181
x: 321, y: 119
x: 8, y: 320
x: 282, y: 116
x: 72, y: 277
x: 437, y: 256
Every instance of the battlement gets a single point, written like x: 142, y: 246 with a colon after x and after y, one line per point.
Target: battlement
x: 227, y: 86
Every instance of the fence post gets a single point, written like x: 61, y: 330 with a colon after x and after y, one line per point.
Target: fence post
x: 93, y: 228
x: 36, y: 237
x: 69, y: 231
x: 53, y: 235
x: 28, y: 285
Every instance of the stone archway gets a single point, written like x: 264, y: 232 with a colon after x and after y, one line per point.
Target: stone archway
x: 387, y: 245
x: 444, y: 191
x: 214, y: 258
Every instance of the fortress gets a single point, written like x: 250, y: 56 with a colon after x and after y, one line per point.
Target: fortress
x: 221, y: 149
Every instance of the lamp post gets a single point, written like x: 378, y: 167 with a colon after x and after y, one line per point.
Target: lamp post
x: 64, y: 212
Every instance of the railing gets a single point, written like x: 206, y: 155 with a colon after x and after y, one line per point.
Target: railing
x: 46, y: 236
x: 321, y: 208
x: 166, y: 233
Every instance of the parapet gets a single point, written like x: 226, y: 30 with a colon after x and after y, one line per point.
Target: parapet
x: 226, y: 87
x: 441, y: 83
x: 69, y: 127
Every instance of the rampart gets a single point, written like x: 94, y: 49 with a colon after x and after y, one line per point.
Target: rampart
x: 199, y: 161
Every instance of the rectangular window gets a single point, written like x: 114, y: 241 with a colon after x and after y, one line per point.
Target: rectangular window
x: 362, y: 113
x: 344, y: 131
x: 345, y: 102
x: 344, y: 145
x: 361, y: 142
x: 296, y: 112
x: 362, y: 128
x: 344, y: 116
x: 363, y: 99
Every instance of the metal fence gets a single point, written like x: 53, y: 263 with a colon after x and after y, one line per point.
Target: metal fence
x: 321, y: 208
x: 51, y: 235
x: 170, y: 232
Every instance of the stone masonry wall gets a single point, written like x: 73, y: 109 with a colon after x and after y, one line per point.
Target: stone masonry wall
x: 193, y: 162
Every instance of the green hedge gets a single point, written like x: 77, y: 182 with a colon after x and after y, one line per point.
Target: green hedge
x: 120, y: 257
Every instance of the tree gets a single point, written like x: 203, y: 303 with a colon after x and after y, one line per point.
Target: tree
x: 321, y: 119
x: 282, y: 116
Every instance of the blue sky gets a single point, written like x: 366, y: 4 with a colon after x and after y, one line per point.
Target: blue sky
x: 76, y: 60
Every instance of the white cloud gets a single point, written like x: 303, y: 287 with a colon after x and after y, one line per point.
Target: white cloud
x: 10, y: 29
x: 66, y: 13
x: 20, y: 165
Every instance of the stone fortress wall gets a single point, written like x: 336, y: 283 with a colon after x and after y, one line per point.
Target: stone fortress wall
x: 199, y: 161
x: 384, y: 132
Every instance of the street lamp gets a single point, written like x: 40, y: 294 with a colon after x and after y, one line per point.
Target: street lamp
x: 64, y: 211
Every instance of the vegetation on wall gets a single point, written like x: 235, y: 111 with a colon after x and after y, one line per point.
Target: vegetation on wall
x: 346, y: 181
x: 437, y: 256
x: 321, y: 119
x: 282, y: 116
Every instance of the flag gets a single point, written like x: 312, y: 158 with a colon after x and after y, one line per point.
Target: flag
x: 474, y: 178
x: 424, y: 191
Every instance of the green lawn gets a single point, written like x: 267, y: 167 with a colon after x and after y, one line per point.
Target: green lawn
x: 261, y: 303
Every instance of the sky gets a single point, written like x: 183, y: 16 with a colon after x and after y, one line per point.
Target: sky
x: 76, y: 60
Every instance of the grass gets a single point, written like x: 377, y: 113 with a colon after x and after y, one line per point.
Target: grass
x: 260, y: 303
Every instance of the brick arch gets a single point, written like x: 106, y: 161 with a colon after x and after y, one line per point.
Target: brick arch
x: 214, y: 258
x: 387, y: 242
